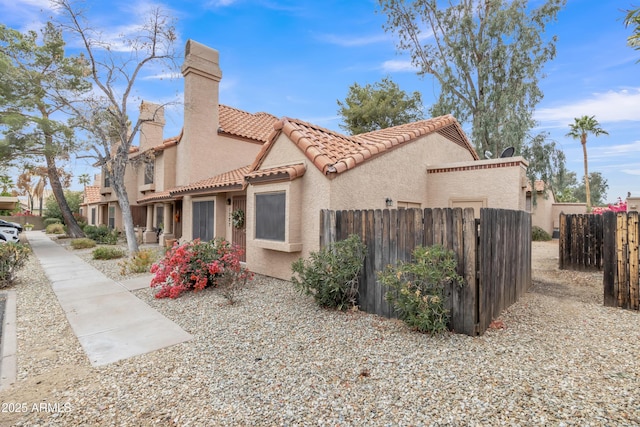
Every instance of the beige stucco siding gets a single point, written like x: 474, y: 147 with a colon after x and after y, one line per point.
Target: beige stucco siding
x: 483, y: 180
x: 568, y: 209
x: 306, y: 196
x: 542, y: 211
x: 399, y: 175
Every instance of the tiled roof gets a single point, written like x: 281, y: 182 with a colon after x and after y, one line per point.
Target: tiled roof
x: 169, y: 142
x: 332, y: 152
x: 225, y: 181
x: 289, y: 172
x: 155, y: 197
x: 234, y: 122
x: 91, y: 194
x: 539, y: 184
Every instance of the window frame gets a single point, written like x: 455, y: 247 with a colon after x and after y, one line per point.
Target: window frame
x: 280, y: 235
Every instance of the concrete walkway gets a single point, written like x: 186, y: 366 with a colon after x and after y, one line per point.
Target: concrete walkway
x: 111, y: 323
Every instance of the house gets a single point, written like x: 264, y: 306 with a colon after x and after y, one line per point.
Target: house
x: 260, y: 181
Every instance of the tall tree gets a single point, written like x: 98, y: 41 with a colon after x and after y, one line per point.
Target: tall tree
x: 598, y: 187
x: 378, y: 106
x: 114, y: 70
x: 37, y: 81
x: 84, y: 179
x: 564, y: 183
x: 6, y: 183
x: 486, y: 55
x: 632, y: 19
x: 579, y: 129
x: 545, y: 159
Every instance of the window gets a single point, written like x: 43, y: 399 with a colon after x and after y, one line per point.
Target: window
x: 149, y: 168
x: 203, y: 220
x: 271, y: 216
x: 93, y: 216
x: 107, y: 181
x: 112, y: 217
x: 528, y: 203
x: 160, y: 217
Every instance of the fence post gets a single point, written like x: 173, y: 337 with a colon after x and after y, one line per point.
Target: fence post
x: 609, y: 258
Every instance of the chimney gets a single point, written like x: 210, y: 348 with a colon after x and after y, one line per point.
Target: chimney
x: 151, y: 126
x: 202, y: 75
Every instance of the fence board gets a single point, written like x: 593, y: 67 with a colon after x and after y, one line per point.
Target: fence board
x: 633, y: 233
x: 493, y: 255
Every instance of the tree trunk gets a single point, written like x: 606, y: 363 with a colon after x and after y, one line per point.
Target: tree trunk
x: 587, y: 189
x: 117, y: 183
x: 73, y: 229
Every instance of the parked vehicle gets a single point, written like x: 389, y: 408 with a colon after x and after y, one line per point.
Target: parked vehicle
x: 9, y: 234
x: 4, y: 224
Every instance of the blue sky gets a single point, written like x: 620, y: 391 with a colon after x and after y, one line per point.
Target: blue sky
x: 297, y: 58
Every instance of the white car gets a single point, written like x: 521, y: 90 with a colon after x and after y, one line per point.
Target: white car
x: 9, y: 233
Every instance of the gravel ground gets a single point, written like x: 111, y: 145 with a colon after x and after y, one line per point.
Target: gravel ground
x: 558, y: 357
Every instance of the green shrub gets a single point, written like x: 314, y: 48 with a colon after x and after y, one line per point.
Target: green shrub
x: 331, y: 275
x: 140, y: 262
x: 101, y: 234
x: 13, y: 256
x: 106, y: 252
x: 49, y: 221
x: 539, y: 235
x: 416, y: 289
x: 83, y: 243
x: 55, y: 228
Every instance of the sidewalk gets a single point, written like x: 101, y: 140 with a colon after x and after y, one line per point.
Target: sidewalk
x: 111, y: 323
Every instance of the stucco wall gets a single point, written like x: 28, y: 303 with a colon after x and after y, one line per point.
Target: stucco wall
x: 633, y: 204
x: 312, y: 192
x: 500, y: 186
x: 399, y: 175
x: 542, y: 211
x: 568, y: 209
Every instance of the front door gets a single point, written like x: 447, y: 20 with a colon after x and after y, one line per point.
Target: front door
x: 239, y: 235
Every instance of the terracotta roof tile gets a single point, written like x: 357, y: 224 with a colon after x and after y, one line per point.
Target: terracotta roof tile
x: 539, y: 186
x: 156, y: 197
x: 91, y: 194
x: 234, y: 122
x: 289, y: 173
x: 332, y: 152
x: 226, y: 180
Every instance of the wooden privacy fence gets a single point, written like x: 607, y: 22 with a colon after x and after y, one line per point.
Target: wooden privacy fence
x: 493, y: 255
x: 620, y: 259
x: 580, y: 242
x: 607, y: 242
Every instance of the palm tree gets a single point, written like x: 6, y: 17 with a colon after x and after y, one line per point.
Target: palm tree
x: 84, y: 179
x: 579, y: 130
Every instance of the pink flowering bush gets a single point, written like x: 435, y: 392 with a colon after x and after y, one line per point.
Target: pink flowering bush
x: 619, y: 206
x: 197, y: 265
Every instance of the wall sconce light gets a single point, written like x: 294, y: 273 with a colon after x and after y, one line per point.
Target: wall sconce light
x: 228, y: 202
x: 388, y: 202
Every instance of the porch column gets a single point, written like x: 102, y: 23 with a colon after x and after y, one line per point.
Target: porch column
x: 167, y: 233
x: 149, y: 235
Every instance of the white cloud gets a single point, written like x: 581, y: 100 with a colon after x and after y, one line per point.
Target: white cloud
x: 611, y: 106
x: 395, y: 65
x: 631, y: 171
x: 220, y: 3
x: 163, y: 76
x: 604, y: 151
x: 350, y: 41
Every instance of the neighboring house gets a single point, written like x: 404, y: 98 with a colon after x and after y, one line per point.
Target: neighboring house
x: 545, y: 211
x: 277, y: 174
x: 90, y: 206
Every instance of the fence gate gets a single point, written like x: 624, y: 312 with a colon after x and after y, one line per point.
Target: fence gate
x: 621, y: 262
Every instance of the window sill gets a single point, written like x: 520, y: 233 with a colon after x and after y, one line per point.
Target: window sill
x: 105, y: 190
x: 147, y: 187
x: 278, y: 246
